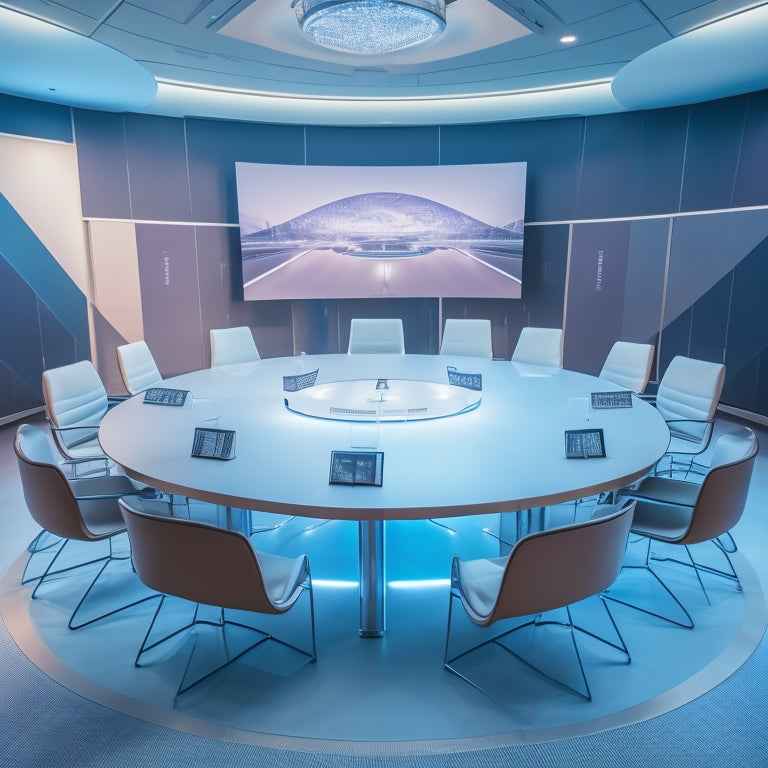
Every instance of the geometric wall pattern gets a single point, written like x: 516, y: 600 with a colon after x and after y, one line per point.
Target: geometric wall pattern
x: 43, y: 315
x: 637, y: 228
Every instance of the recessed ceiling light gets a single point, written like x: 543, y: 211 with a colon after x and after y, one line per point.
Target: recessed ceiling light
x: 568, y: 39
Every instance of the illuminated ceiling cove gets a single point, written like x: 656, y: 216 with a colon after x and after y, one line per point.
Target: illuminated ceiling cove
x: 495, y: 60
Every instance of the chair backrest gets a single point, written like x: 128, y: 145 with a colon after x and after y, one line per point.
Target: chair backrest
x: 47, y: 493
x: 233, y: 345
x: 467, y: 337
x: 196, y: 561
x: 376, y: 336
x: 137, y: 367
x: 629, y: 365
x: 539, y: 346
x: 560, y: 566
x: 74, y: 394
x: 723, y: 493
x: 690, y: 389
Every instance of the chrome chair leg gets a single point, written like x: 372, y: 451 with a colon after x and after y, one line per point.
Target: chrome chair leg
x: 687, y: 624
x: 570, y: 625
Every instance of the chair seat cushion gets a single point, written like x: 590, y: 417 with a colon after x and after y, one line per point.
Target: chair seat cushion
x: 669, y: 490
x: 282, y: 576
x: 479, y: 582
x: 102, y: 517
x: 665, y: 522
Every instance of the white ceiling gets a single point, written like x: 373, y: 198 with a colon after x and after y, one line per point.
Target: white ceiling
x: 497, y: 60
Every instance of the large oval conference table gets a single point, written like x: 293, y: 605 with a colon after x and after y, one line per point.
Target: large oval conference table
x: 447, y: 450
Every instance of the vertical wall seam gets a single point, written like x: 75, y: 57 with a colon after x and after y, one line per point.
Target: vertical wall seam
x: 664, y: 294
x: 91, y: 298
x: 738, y: 154
x: 567, y: 277
x: 685, y: 160
x: 194, y: 238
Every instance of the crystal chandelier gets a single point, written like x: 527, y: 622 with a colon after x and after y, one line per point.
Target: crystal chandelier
x: 370, y: 26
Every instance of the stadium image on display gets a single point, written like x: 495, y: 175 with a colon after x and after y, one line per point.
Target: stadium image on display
x: 446, y: 231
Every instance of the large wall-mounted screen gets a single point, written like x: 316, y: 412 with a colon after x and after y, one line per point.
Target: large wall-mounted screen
x: 381, y: 231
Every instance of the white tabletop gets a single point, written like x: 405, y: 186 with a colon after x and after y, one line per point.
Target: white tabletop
x: 505, y: 455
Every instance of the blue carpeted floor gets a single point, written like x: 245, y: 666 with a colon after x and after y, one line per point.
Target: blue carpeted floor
x: 46, y: 724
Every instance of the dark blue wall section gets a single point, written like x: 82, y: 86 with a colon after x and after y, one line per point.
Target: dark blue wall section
x: 215, y: 146
x: 545, y: 263
x: 552, y: 150
x: 609, y: 166
x: 658, y: 189
x: 60, y: 347
x: 705, y: 248
x: 373, y: 146
x: 646, y: 273
x: 751, y: 186
x: 102, y: 163
x: 32, y: 118
x: 21, y: 352
x: 712, y: 153
x: 659, y: 166
x: 33, y: 339
x: 709, y: 322
x: 595, y: 306
x: 419, y: 316
x: 747, y: 342
x: 675, y: 340
x: 157, y: 163
x: 17, y: 397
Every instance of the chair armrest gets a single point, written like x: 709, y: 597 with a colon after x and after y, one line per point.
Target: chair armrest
x: 86, y: 460
x: 94, y: 427
x: 706, y: 433
x: 73, y: 464
x: 96, y: 496
x: 74, y: 428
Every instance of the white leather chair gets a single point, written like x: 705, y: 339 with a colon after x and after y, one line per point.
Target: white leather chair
x: 376, y: 336
x: 469, y: 336
x: 233, y: 345
x: 76, y: 402
x: 138, y: 367
x: 84, y: 509
x: 539, y: 346
x: 544, y: 571
x: 213, y: 566
x: 679, y: 512
x: 687, y: 398
x: 628, y: 364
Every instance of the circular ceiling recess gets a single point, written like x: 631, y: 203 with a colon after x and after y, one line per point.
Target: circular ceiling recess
x: 42, y: 61
x: 722, y: 59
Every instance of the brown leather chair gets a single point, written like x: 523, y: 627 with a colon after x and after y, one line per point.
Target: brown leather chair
x: 214, y: 566
x: 544, y: 571
x: 84, y: 509
x: 684, y: 513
